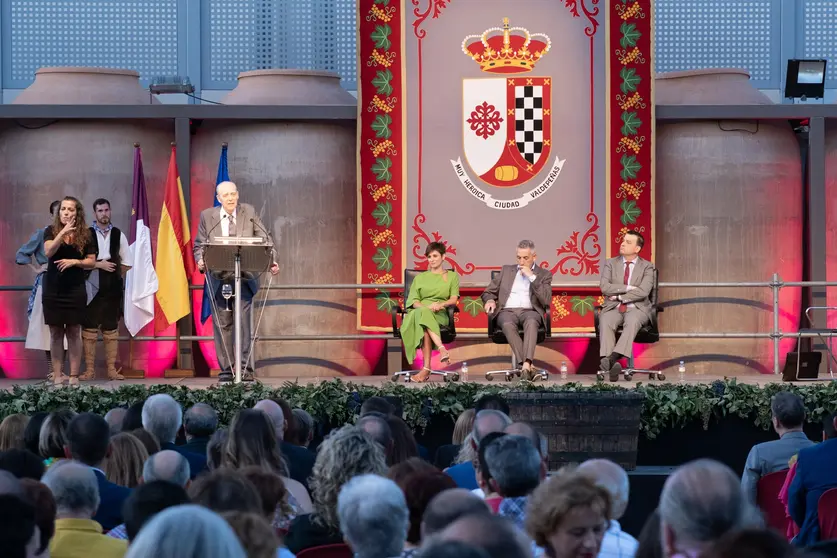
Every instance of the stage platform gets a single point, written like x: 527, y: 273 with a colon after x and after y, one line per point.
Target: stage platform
x: 584, y: 379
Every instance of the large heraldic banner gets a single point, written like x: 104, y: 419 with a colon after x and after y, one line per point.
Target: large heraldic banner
x: 484, y: 122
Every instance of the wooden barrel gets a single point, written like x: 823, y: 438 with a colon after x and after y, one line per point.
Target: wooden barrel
x: 582, y: 425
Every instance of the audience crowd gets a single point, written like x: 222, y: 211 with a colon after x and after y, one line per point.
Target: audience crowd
x: 153, y: 481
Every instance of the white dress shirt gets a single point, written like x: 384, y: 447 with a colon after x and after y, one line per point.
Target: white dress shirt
x: 630, y: 276
x: 617, y: 543
x: 225, y: 221
x: 103, y: 241
x: 520, y: 295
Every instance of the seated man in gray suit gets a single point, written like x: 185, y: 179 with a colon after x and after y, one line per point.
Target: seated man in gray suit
x: 769, y: 457
x: 231, y: 219
x: 520, y: 294
x: 626, y: 283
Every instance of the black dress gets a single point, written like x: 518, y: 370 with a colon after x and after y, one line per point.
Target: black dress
x: 64, y: 294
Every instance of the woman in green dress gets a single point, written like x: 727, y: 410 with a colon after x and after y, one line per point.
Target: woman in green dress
x: 430, y: 294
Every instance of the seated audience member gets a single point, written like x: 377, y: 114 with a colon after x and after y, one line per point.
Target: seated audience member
x: 751, y: 543
x: 114, y: 418
x: 19, y: 536
x: 255, y: 534
x: 495, y: 535
x: 304, y: 428
x: 273, y: 494
x: 626, y: 283
x: 419, y: 489
x: 88, y: 441
x: 648, y: 543
x: 487, y: 489
x: 123, y: 463
x: 815, y: 473
x: 167, y: 466
x: 399, y: 473
x: 345, y: 453
x: 788, y: 411
x: 373, y: 516
x: 300, y: 461
x: 32, y: 432
x: 448, y: 506
x: 148, y: 500
x: 515, y: 468
x: 451, y: 549
x: 252, y: 441
x: 539, y: 441
x: 376, y: 404
x: 147, y: 439
x: 162, y: 416
x: 76, y: 491
x: 199, y: 423
x: 486, y: 421
x: 133, y: 417
x: 53, y: 437
x: 40, y: 496
x: 446, y: 454
x: 613, y: 478
x: 215, y: 448
x: 22, y: 463
x: 186, y: 531
x: 375, y: 424
x: 700, y: 503
x: 225, y: 490
x: 11, y: 432
x: 404, y: 444
x: 568, y: 515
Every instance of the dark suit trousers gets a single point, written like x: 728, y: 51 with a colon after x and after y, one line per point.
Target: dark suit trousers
x: 509, y: 320
x: 223, y: 328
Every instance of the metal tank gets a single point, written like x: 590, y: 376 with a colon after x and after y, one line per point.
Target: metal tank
x: 300, y: 177
x: 46, y: 160
x: 728, y: 209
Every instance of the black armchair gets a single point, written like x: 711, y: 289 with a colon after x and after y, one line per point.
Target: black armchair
x: 447, y: 333
x: 498, y: 337
x: 650, y: 333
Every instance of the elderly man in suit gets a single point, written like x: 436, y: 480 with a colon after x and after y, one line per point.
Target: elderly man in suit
x: 520, y: 295
x: 627, y: 281
x: 231, y: 219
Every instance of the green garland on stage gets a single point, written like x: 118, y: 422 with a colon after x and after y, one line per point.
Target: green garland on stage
x: 336, y: 401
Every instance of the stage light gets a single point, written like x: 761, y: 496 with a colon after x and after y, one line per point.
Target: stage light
x: 805, y: 79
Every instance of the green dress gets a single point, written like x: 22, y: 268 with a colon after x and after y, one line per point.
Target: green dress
x: 427, y: 288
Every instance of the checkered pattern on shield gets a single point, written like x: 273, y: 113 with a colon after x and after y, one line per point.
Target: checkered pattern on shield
x: 528, y: 121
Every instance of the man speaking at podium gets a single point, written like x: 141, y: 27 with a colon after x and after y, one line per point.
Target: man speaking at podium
x: 231, y: 219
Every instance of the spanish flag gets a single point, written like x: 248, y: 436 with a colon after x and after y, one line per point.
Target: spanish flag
x: 175, y: 263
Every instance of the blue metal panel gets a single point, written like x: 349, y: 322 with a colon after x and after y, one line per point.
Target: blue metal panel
x: 694, y: 34
x: 817, y: 37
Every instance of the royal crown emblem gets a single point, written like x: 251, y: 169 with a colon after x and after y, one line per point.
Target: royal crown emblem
x: 506, y: 50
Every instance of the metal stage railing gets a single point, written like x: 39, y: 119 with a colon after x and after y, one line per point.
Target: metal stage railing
x: 775, y: 334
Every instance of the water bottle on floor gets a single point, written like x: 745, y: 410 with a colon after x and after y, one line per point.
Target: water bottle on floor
x: 681, y: 371
x: 563, y: 371
x: 463, y: 372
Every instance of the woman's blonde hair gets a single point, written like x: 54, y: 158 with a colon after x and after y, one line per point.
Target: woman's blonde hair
x: 467, y: 453
x: 554, y: 499
x: 123, y: 466
x: 346, y: 453
x: 252, y: 441
x: 463, y: 427
x: 254, y: 533
x: 11, y: 432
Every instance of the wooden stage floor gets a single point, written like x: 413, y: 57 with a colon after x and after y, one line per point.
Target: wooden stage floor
x: 585, y: 379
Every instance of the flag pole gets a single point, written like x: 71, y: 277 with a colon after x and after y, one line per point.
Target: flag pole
x: 131, y: 340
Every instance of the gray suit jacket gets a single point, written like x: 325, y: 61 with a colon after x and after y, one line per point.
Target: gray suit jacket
x: 247, y: 223
x: 769, y: 457
x: 613, y: 284
x: 540, y: 290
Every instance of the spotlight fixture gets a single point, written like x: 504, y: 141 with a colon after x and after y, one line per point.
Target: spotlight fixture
x: 805, y: 79
x: 161, y: 85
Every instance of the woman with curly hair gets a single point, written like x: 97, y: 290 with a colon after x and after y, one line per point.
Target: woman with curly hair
x: 70, y: 248
x: 343, y: 455
x: 568, y: 515
x: 124, y: 463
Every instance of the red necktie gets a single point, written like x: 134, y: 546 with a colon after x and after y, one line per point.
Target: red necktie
x: 624, y: 307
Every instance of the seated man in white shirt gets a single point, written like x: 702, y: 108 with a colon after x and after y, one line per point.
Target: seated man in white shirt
x: 614, y: 479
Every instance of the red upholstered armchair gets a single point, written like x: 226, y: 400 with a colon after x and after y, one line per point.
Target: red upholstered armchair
x: 327, y: 551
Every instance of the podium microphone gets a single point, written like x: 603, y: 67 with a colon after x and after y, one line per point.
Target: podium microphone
x: 256, y: 223
x: 209, y: 236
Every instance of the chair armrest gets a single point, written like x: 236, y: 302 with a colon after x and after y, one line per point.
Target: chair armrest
x: 492, y: 323
x: 547, y: 321
x: 396, y: 330
x: 452, y: 311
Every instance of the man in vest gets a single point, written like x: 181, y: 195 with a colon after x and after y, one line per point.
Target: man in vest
x: 104, y: 291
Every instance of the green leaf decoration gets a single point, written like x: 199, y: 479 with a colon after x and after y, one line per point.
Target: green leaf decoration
x: 629, y: 35
x: 383, y: 82
x: 630, y: 80
x: 385, y: 302
x: 383, y: 214
x: 383, y: 258
x: 582, y: 305
x: 472, y: 305
x: 630, y: 123
x: 630, y: 167
x: 381, y: 36
x: 386, y: 2
x: 381, y: 126
x: 381, y: 169
x: 630, y: 212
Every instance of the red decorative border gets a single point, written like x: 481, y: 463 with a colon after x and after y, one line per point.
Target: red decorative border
x: 382, y: 234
